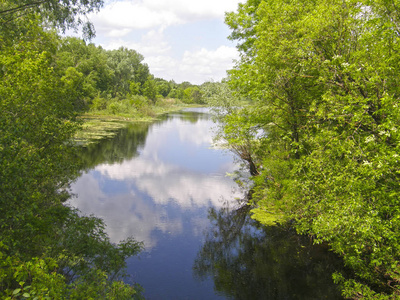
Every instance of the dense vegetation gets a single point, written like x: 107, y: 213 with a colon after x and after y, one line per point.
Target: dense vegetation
x: 47, y: 249
x: 320, y: 134
x: 116, y: 81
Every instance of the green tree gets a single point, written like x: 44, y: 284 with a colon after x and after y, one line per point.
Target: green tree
x: 127, y: 67
x: 149, y: 89
x: 39, y: 247
x: 61, y: 14
x: 323, y: 80
x: 187, y: 95
x: 176, y: 93
x: 36, y: 110
x: 89, y: 60
x: 163, y: 87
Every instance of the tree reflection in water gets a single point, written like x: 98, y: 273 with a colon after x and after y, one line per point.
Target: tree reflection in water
x: 250, y: 261
x: 122, y: 146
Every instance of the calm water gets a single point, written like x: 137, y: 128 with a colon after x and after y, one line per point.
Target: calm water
x: 164, y: 184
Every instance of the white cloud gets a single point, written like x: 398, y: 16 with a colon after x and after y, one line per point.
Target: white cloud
x: 187, y: 189
x: 130, y: 212
x: 189, y: 10
x: 141, y: 25
x: 165, y: 182
x: 196, y: 67
x: 117, y: 32
x: 135, y: 169
x: 208, y: 64
x: 199, y: 135
x: 163, y: 66
x: 124, y: 15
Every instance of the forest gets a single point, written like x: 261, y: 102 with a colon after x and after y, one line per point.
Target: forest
x: 311, y: 108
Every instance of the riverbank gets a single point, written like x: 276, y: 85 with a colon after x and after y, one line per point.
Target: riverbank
x: 102, y: 124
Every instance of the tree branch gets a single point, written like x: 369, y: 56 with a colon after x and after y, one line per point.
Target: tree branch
x: 22, y: 7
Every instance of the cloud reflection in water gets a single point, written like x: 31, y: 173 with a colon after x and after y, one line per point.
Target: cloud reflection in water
x: 176, y: 175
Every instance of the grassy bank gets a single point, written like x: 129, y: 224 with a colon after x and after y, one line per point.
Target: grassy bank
x: 102, y: 124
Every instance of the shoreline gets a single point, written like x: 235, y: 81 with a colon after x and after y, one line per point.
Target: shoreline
x: 97, y: 126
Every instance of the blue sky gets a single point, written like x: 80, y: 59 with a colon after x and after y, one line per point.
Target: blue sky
x: 183, y: 40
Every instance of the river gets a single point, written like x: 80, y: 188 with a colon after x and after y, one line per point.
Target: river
x: 165, y: 184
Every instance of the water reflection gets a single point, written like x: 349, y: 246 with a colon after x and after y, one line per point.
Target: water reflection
x: 118, y: 148
x: 164, y: 184
x: 247, y: 261
x: 154, y: 172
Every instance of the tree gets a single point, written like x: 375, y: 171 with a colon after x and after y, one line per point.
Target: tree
x: 149, y: 89
x: 196, y: 95
x: 91, y: 62
x: 60, y: 14
x: 235, y: 130
x: 323, y: 78
x: 163, y: 87
x: 39, y: 247
x: 127, y: 67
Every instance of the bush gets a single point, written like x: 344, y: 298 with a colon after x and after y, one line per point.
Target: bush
x: 98, y: 103
x: 115, y: 107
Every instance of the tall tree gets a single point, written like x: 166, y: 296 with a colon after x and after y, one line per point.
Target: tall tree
x: 128, y: 67
x: 323, y: 78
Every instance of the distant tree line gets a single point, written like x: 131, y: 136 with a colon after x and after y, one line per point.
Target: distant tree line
x: 116, y: 80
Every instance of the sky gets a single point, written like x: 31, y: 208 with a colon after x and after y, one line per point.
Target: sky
x: 181, y: 40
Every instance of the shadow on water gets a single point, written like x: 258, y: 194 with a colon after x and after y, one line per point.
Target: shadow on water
x: 250, y: 261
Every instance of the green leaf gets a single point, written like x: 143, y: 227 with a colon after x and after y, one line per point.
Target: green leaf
x: 16, y: 291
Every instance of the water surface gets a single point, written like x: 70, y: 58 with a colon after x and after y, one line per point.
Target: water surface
x: 164, y: 184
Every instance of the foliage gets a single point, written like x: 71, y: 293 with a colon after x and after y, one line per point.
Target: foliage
x: 47, y: 250
x: 249, y: 261
x: 91, y: 62
x: 163, y: 87
x: 127, y: 67
x: 115, y: 82
x: 36, y: 115
x: 35, y: 278
x: 323, y: 80
x: 234, y: 130
x: 39, y: 279
x: 61, y: 14
x: 149, y: 89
